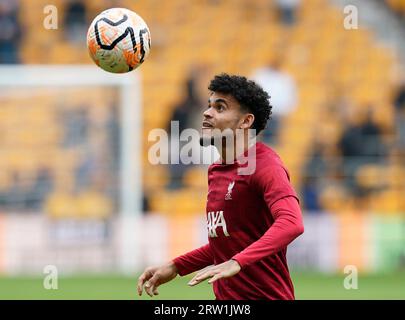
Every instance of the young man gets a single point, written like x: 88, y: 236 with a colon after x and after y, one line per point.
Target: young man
x: 252, y: 217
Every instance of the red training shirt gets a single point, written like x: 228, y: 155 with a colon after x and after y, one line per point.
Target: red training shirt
x: 251, y: 219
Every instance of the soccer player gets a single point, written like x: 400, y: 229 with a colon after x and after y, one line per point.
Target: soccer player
x: 251, y: 218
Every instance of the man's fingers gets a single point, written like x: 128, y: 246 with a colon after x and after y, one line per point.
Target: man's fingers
x: 197, y: 279
x: 193, y: 279
x: 151, y: 290
x: 222, y: 270
x: 196, y: 276
x: 141, y: 280
x: 148, y: 288
x: 201, y: 277
x: 151, y: 285
x: 216, y: 277
x: 206, y: 275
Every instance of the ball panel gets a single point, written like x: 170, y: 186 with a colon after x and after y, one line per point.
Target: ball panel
x: 118, y: 40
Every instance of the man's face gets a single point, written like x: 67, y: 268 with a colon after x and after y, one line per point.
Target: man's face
x: 223, y: 112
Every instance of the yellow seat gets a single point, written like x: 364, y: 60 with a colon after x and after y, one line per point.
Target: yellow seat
x: 196, y: 178
x: 326, y: 61
x: 61, y: 205
x: 93, y: 205
x: 371, y: 176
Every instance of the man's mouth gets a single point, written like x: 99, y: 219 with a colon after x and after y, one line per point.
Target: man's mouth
x: 206, y: 125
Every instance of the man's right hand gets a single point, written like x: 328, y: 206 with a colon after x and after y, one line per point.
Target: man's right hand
x: 153, y: 277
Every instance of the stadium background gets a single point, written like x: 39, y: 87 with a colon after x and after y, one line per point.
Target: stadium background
x: 61, y: 147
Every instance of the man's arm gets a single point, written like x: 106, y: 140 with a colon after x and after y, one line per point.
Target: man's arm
x: 273, y: 182
x: 153, y: 277
x: 194, y: 260
x: 287, y: 226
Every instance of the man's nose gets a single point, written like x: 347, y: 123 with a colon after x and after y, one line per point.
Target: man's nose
x: 208, y: 113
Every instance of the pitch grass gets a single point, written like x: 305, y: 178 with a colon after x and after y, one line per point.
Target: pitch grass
x: 307, y: 286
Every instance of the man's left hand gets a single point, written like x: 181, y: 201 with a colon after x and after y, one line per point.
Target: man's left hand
x: 223, y: 270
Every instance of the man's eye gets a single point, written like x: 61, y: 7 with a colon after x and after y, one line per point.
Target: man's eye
x: 220, y: 108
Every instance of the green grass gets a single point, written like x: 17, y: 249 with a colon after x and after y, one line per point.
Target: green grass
x: 320, y: 286
x: 307, y: 286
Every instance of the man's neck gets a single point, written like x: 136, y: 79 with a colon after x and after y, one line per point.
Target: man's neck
x: 240, y: 145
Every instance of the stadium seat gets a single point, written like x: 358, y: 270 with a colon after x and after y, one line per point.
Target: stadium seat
x: 316, y: 50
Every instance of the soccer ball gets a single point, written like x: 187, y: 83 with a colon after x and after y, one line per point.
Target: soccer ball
x: 118, y: 40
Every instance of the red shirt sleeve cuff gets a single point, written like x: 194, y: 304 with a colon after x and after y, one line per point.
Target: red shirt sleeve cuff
x: 239, y: 259
x: 181, y: 270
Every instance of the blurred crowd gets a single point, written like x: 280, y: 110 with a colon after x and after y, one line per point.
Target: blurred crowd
x: 11, y: 32
x: 346, y: 169
x: 397, y: 6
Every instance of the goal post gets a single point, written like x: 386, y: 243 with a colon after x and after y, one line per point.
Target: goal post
x: 128, y: 86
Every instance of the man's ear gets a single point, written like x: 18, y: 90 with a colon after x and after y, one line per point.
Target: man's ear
x: 247, y: 121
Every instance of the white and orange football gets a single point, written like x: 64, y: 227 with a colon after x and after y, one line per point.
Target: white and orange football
x: 118, y: 40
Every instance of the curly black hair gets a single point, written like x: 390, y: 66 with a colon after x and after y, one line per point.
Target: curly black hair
x: 251, y: 97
